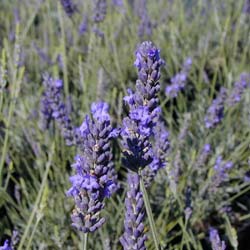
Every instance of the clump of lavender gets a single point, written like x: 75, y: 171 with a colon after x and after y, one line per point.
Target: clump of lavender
x: 215, y: 240
x: 95, y: 177
x: 221, y: 171
x: 52, y: 107
x: 178, y: 82
x: 238, y: 89
x: 160, y: 150
x: 99, y: 11
x: 69, y: 7
x: 215, y: 112
x: 134, y: 237
x: 6, y: 246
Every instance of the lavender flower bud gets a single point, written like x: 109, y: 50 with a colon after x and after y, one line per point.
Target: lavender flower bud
x: 217, y: 244
x: 215, y: 112
x: 134, y: 237
x: 238, y: 89
x: 6, y: 246
x: 246, y: 7
x: 69, y: 7
x: 100, y: 10
x: 95, y: 177
x: 52, y: 106
x: 178, y: 82
x: 203, y: 156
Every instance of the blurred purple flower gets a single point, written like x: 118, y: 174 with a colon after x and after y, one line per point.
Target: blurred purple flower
x: 83, y: 27
x: 179, y: 81
x: 217, y: 244
x: 52, y: 106
x: 133, y: 236
x: 6, y: 246
x: 215, y: 112
x: 238, y: 89
x: 99, y: 11
x: 69, y: 7
x: 221, y: 169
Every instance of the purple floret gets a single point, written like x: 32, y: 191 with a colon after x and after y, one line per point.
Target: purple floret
x: 99, y: 11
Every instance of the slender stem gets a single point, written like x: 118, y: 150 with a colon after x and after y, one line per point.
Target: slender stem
x: 149, y: 214
x: 85, y: 241
x: 36, y: 205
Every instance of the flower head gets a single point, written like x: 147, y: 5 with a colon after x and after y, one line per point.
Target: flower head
x: 95, y: 177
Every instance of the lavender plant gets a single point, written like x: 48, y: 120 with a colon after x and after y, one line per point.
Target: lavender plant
x: 69, y: 7
x: 6, y: 246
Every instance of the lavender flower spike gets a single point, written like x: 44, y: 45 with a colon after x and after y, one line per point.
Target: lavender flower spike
x: 215, y: 112
x: 179, y: 81
x: 238, y: 89
x: 100, y: 10
x: 95, y: 177
x: 69, y: 7
x: 134, y: 237
x: 6, y: 246
x: 52, y: 107
x: 217, y: 244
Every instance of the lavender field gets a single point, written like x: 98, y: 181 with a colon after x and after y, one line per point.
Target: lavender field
x: 125, y: 124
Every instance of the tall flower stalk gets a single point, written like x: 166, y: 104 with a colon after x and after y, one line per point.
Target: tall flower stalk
x: 144, y: 113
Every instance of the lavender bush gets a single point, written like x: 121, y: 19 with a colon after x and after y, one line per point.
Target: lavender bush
x: 161, y: 158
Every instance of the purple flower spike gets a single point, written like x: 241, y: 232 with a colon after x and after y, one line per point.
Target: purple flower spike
x: 69, y: 7
x: 100, y: 10
x: 144, y: 108
x: 95, y: 177
x: 178, y: 82
x: 221, y: 171
x: 52, y: 107
x: 134, y: 237
x: 238, y: 89
x: 215, y: 240
x: 215, y: 112
x: 6, y: 246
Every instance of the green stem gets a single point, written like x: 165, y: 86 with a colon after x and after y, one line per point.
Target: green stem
x: 85, y: 241
x: 149, y: 213
x: 35, y: 208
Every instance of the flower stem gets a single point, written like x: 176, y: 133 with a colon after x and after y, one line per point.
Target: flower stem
x: 85, y: 241
x: 149, y: 213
